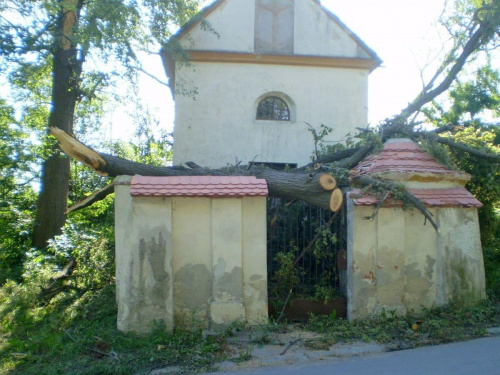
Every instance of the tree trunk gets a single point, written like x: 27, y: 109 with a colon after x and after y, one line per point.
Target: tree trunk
x: 53, y: 197
x: 301, y: 184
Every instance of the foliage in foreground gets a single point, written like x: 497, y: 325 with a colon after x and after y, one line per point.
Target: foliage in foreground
x: 74, y: 334
x: 448, y: 323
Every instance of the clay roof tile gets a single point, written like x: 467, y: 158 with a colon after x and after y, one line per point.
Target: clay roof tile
x: 451, y: 197
x: 198, y: 186
x: 401, y: 155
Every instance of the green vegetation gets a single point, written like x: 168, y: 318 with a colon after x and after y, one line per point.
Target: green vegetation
x: 76, y: 334
x: 444, y: 324
x: 474, y: 104
x: 57, y: 302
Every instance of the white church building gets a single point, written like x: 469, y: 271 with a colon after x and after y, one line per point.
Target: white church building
x: 258, y: 72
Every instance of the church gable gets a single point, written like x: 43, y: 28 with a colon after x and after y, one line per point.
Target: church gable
x: 274, y: 26
x: 231, y: 24
x: 280, y: 27
x: 319, y: 32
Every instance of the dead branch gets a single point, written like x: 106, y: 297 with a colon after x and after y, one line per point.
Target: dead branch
x: 419, y: 205
x: 110, y: 354
x: 193, y: 165
x: 284, y: 306
x: 428, y: 94
x: 74, y: 148
x: 377, y: 207
x: 93, y: 198
x: 363, y: 181
x: 290, y: 345
x: 470, y: 47
x: 337, y: 156
x: 442, y: 129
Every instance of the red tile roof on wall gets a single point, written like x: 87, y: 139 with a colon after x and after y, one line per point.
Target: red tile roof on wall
x: 401, y: 155
x: 454, y: 197
x: 404, y: 156
x: 198, y: 186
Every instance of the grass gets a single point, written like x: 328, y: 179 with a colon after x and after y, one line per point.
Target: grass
x: 448, y: 323
x: 77, y: 335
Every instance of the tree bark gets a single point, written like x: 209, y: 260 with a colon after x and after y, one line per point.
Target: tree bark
x: 300, y: 184
x: 52, y: 200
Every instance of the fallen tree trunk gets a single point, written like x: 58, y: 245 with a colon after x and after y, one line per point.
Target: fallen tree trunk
x: 312, y: 186
x: 305, y: 185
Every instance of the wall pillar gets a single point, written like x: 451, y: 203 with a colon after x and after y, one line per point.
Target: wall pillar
x: 227, y: 304
x: 144, y: 288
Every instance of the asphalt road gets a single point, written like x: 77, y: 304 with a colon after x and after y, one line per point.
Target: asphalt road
x: 475, y: 357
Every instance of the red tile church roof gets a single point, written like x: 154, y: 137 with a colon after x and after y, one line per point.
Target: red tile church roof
x: 198, y: 186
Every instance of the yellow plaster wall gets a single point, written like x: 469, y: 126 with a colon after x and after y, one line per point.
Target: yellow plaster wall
x: 421, y: 261
x: 220, y: 260
x: 227, y: 246
x: 396, y: 263
x: 192, y: 259
x: 389, y: 260
x: 463, y: 270
x: 143, y: 261
x: 361, y: 282
x: 255, y: 259
x: 176, y: 257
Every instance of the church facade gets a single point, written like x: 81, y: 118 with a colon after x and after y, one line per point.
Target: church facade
x: 258, y: 74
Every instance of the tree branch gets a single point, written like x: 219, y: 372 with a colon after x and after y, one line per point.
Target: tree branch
x: 460, y: 146
x: 91, y: 199
x: 356, y: 158
x: 365, y: 181
x: 150, y: 75
x: 426, y: 96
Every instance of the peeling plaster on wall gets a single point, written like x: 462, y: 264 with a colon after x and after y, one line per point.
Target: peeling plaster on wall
x: 229, y: 285
x: 464, y: 218
x: 154, y: 252
x: 429, y: 269
x: 456, y: 275
x: 219, y: 269
x: 258, y: 289
x: 166, y: 249
x: 256, y: 277
x: 192, y: 292
x: 394, y: 266
x: 412, y: 271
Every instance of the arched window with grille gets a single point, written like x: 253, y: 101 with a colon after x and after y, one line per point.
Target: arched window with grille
x: 273, y: 108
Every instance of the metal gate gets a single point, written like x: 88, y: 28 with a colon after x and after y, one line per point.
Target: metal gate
x: 306, y: 247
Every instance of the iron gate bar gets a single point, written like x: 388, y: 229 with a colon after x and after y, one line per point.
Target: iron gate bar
x: 291, y: 228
